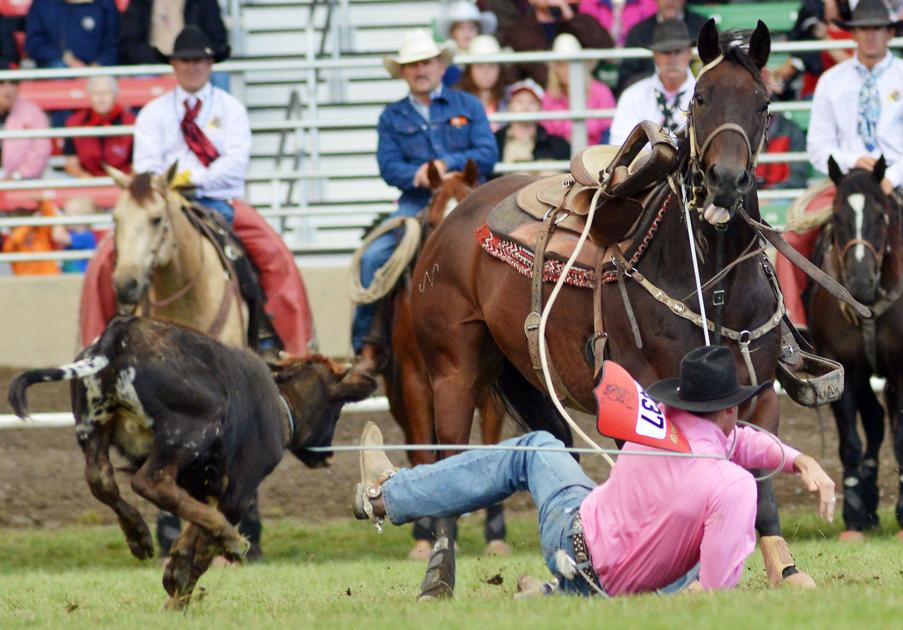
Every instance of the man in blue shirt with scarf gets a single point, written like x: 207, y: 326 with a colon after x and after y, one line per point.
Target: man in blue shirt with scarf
x: 432, y: 123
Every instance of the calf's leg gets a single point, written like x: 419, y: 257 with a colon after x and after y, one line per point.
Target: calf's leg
x: 191, y: 556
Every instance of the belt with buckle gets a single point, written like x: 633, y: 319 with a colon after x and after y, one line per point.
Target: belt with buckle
x: 581, y: 555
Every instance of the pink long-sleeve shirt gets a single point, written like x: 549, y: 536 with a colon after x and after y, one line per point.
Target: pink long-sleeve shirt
x: 656, y: 517
x: 26, y: 156
x: 599, y: 97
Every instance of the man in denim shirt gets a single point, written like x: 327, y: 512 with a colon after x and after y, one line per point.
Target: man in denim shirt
x: 432, y: 123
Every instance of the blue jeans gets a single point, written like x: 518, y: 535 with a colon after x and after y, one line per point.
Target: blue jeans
x: 220, y: 205
x: 476, y: 479
x: 375, y: 257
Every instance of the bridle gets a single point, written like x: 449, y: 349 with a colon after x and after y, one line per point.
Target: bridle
x: 877, y: 253
x: 697, y: 153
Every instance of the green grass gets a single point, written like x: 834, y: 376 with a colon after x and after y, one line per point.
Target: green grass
x: 343, y: 574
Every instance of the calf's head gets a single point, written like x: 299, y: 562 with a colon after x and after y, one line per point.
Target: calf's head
x: 313, y: 388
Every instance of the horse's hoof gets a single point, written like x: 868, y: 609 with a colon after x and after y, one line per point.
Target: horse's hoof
x: 497, y: 548
x: 800, y: 580
x: 421, y: 551
x: 439, y: 581
x: 900, y: 534
x: 851, y: 536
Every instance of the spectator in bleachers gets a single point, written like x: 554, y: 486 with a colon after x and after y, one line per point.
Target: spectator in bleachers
x: 22, y: 158
x: 460, y: 24
x: 72, y: 33
x: 598, y: 96
x: 77, y: 237
x: 152, y: 25
x: 31, y: 239
x: 618, y: 17
x: 664, y: 97
x: 528, y: 141
x: 85, y: 156
x: 432, y: 124
x: 783, y: 136
x: 641, y: 35
x: 9, y: 49
x: 484, y: 80
x: 857, y: 117
x: 539, y: 26
x: 798, y: 75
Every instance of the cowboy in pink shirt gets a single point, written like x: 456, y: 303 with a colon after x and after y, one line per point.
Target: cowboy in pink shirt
x: 658, y: 523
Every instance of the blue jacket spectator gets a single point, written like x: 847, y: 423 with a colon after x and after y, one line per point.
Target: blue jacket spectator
x: 60, y: 34
x: 458, y: 130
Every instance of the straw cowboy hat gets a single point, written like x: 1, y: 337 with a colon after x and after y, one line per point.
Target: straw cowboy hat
x: 566, y: 43
x: 669, y: 36
x: 485, y: 45
x: 193, y: 43
x: 869, y: 13
x: 466, y: 11
x: 707, y: 382
x: 417, y: 45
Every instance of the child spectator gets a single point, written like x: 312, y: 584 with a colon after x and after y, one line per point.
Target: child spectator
x: 462, y: 23
x: 598, y: 95
x: 484, y: 80
x: 618, y: 16
x: 23, y: 158
x: 76, y: 237
x: 72, y: 33
x: 528, y: 141
x: 34, y: 239
x: 85, y: 156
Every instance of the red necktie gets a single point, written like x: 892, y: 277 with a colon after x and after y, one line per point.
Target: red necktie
x: 199, y: 144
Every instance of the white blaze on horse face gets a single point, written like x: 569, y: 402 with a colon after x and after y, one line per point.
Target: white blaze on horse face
x: 449, y: 206
x: 856, y: 201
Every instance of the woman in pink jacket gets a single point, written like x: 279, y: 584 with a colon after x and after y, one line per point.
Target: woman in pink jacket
x: 598, y: 96
x: 24, y: 158
x: 618, y: 16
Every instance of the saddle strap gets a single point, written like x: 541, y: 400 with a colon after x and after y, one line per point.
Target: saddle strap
x: 600, y: 337
x: 531, y: 323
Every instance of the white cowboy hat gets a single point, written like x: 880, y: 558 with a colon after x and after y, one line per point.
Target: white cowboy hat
x: 485, y: 45
x: 466, y: 11
x: 566, y: 43
x: 417, y: 45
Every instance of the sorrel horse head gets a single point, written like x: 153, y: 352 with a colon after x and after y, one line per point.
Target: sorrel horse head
x: 862, y: 247
x: 469, y: 316
x: 164, y: 261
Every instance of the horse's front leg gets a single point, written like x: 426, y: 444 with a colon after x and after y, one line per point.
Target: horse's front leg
x: 779, y: 564
x: 873, y: 423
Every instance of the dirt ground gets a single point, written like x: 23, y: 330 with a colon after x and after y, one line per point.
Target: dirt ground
x: 42, y: 484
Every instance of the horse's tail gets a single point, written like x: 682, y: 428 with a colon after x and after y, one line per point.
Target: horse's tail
x: 530, y: 407
x: 17, y: 388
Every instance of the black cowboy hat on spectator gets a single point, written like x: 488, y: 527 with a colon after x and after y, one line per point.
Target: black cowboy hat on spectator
x: 869, y: 14
x: 193, y: 43
x: 669, y: 36
x: 707, y: 383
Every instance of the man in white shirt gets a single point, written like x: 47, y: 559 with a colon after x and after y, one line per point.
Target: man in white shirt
x: 663, y: 98
x: 857, y: 116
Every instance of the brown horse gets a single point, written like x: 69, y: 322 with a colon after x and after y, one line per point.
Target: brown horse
x: 406, y: 379
x: 862, y: 247
x: 469, y: 321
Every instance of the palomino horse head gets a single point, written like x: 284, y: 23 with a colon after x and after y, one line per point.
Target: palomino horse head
x: 728, y: 118
x: 450, y: 190
x: 143, y: 230
x: 861, y: 228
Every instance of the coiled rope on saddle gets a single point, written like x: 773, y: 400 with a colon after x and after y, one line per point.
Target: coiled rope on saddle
x: 386, y: 276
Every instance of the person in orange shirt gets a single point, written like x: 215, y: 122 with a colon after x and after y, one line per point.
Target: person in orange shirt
x: 30, y: 239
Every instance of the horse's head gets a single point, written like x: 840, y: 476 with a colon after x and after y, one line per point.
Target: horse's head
x: 450, y: 190
x: 860, y: 228
x: 728, y: 118
x: 144, y: 232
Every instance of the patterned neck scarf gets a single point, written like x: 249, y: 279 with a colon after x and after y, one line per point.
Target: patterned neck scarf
x: 199, y: 143
x: 668, y: 110
x: 869, y: 105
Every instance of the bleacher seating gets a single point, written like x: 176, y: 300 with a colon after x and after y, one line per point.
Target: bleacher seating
x: 66, y: 94
x: 104, y: 197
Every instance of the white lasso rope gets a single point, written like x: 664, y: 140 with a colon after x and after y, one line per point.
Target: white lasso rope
x: 387, y: 275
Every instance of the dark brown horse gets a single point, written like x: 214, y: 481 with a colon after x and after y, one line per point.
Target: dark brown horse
x: 406, y: 379
x: 469, y: 321
x: 862, y: 247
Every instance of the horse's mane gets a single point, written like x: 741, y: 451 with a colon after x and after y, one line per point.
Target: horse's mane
x: 734, y: 45
x: 141, y: 187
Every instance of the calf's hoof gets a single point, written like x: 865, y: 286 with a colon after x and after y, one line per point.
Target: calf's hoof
x: 800, y: 580
x: 176, y: 574
x: 497, y: 548
x: 177, y: 602
x: 235, y: 549
x: 421, y: 551
x: 142, y: 545
x: 851, y: 536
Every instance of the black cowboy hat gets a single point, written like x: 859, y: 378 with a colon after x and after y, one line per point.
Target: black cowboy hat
x: 193, y: 43
x: 669, y: 36
x: 869, y: 14
x: 707, y: 382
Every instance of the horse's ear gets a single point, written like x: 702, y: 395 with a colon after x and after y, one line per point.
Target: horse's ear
x: 471, y: 173
x: 760, y: 45
x: 122, y: 180
x: 707, y: 44
x: 171, y: 173
x: 880, y: 169
x: 834, y: 171
x: 432, y: 174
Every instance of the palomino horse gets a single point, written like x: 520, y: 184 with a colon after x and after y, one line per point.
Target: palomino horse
x: 862, y: 247
x: 161, y: 254
x: 407, y: 381
x: 469, y: 321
